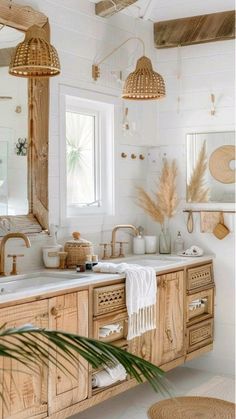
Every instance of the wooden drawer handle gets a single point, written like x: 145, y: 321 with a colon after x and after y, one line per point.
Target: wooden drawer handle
x: 163, y: 283
x: 143, y: 350
x: 54, y: 311
x: 169, y: 335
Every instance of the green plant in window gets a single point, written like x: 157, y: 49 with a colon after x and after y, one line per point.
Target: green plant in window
x: 74, y: 156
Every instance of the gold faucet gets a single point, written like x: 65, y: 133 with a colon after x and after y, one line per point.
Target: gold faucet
x: 2, y: 247
x: 113, y: 240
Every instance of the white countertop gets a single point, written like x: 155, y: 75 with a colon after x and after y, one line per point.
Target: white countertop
x: 15, y: 288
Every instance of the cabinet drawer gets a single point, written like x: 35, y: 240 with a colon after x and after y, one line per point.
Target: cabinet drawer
x: 199, y: 335
x: 109, y: 298
x: 200, y: 306
x: 200, y: 277
x: 111, y: 328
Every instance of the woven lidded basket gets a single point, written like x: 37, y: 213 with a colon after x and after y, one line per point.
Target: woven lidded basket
x: 77, y: 250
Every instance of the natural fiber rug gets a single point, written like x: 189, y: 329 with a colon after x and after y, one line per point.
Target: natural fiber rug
x: 192, y: 408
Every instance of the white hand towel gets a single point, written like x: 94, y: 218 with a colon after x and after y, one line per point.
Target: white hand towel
x: 193, y: 251
x: 117, y: 372
x: 109, y: 376
x: 109, y: 329
x: 141, y: 289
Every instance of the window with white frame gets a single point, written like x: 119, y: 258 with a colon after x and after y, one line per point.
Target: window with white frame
x: 82, y: 158
x: 86, y: 155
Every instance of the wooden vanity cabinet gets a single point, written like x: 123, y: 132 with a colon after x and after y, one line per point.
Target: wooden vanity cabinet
x: 25, y: 391
x: 170, y: 339
x: 185, y: 325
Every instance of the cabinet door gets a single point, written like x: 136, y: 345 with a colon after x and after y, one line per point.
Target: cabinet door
x: 143, y: 346
x: 68, y: 313
x: 170, y: 317
x: 25, y: 393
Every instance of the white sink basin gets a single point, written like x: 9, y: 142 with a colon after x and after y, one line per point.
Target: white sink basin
x: 36, y: 282
x: 155, y: 261
x: 152, y: 262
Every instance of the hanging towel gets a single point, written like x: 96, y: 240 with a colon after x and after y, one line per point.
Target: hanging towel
x: 141, y: 289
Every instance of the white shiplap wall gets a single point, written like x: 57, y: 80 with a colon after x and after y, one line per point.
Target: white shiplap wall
x: 205, y: 69
x: 81, y: 38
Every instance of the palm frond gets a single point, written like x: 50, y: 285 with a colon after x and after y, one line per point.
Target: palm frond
x: 32, y: 346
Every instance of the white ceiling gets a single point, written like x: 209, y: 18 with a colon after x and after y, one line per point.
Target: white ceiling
x: 172, y: 9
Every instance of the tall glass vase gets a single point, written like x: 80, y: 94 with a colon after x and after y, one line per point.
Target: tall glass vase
x: 165, y: 238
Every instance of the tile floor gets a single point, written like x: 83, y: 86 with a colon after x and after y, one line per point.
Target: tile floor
x: 134, y: 403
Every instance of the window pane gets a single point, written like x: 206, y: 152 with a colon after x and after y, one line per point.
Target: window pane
x: 80, y: 148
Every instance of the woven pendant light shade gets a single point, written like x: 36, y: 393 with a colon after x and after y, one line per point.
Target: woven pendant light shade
x: 35, y: 56
x: 144, y: 83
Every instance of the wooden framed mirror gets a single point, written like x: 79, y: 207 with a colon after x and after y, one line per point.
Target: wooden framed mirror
x: 34, y: 220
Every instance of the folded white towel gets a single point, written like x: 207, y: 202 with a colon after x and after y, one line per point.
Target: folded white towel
x: 117, y: 372
x: 109, y: 376
x: 112, y: 268
x: 141, y: 289
x: 109, y: 329
x: 193, y: 251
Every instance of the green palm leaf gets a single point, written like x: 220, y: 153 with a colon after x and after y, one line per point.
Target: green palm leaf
x: 33, y: 346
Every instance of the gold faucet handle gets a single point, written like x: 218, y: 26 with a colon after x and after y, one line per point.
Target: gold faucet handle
x: 105, y: 250
x: 14, y: 267
x: 122, y: 254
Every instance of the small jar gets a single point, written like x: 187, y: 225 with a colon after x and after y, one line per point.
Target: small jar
x: 80, y: 267
x: 150, y: 244
x: 89, y: 263
x: 94, y: 260
x: 138, y: 245
x: 51, y: 256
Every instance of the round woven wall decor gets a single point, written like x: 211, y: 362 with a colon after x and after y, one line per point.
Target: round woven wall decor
x: 192, y: 408
x: 219, y: 164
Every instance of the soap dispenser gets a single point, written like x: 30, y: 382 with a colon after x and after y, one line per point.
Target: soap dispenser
x: 179, y: 243
x: 139, y: 242
x: 51, y: 256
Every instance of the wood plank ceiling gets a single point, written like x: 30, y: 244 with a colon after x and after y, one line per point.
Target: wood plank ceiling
x: 195, y: 30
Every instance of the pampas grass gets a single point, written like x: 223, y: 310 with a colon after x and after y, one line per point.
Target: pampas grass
x: 196, y: 189
x: 149, y: 205
x: 165, y: 201
x: 167, y: 194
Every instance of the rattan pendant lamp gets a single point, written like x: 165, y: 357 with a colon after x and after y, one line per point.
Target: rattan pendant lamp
x: 35, y: 56
x: 142, y: 84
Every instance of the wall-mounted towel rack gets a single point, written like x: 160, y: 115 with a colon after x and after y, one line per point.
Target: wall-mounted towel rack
x: 210, y: 210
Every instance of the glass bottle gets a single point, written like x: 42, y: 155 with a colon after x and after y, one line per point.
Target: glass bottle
x: 179, y: 244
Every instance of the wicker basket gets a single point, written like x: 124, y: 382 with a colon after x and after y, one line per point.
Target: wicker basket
x: 77, y: 250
